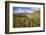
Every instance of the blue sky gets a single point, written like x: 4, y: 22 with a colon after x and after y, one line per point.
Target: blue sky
x: 21, y: 9
x: 24, y: 9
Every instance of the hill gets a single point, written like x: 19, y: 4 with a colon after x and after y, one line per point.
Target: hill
x: 27, y: 20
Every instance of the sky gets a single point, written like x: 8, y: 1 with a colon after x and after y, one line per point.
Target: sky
x: 24, y: 9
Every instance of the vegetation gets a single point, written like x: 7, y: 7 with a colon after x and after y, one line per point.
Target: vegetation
x: 27, y: 20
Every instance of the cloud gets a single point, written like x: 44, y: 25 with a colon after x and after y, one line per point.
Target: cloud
x: 24, y: 10
x: 35, y: 9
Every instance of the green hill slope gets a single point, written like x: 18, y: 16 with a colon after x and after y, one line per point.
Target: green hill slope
x: 28, y: 20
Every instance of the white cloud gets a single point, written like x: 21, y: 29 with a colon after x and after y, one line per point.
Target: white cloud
x: 35, y: 9
x: 27, y: 11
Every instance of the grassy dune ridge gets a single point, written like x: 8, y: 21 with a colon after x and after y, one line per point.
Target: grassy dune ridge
x: 27, y: 20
